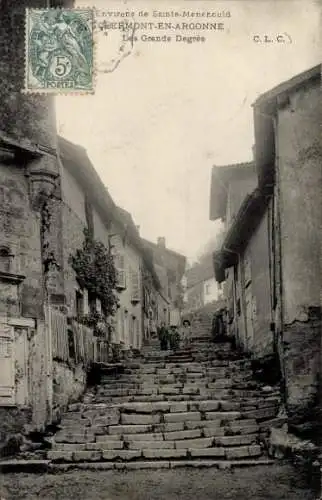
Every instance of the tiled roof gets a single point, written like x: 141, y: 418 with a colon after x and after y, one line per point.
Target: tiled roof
x: 220, y: 178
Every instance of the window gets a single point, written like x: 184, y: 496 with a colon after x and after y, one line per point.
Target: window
x: 5, y: 260
x: 135, y: 289
x: 92, y: 303
x: 207, y: 289
x: 119, y: 261
x: 7, y: 372
x: 79, y: 304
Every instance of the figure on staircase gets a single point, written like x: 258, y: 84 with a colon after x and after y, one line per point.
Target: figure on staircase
x: 174, y: 338
x: 186, y: 333
x: 219, y: 325
x: 163, y: 337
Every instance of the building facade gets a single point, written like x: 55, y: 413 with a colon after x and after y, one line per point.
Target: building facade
x: 28, y: 174
x: 48, y: 337
x: 170, y: 268
x: 201, y: 287
x: 87, y: 204
x: 271, y: 255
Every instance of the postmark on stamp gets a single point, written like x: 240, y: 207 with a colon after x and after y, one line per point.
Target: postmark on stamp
x: 59, y: 51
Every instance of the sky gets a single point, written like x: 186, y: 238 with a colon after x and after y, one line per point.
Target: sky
x: 168, y: 112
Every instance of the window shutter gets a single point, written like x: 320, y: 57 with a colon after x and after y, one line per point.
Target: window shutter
x: 135, y: 289
x: 120, y: 270
x: 7, y: 372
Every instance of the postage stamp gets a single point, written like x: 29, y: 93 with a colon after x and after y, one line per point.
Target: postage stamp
x: 59, y: 51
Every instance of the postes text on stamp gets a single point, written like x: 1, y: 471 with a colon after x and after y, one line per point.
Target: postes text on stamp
x: 59, y: 50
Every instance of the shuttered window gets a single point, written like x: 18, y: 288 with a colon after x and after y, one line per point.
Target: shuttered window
x: 119, y: 261
x: 135, y: 286
x: 7, y: 373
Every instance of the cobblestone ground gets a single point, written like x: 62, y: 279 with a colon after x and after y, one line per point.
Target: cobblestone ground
x: 258, y: 483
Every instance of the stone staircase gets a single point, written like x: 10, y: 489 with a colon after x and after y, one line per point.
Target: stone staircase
x: 194, y: 407
x: 201, y: 319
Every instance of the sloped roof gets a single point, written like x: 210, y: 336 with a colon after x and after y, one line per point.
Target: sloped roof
x: 155, y: 249
x: 76, y: 160
x: 264, y: 108
x: 288, y: 86
x: 200, y: 272
x: 248, y: 217
x: 27, y: 145
x: 126, y: 220
x: 132, y: 233
x: 151, y: 244
x: 220, y: 178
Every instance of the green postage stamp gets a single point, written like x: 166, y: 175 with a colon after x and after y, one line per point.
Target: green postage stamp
x: 59, y: 51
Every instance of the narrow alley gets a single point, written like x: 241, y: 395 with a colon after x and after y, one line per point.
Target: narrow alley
x: 166, y: 410
x: 160, y: 266
x: 197, y: 409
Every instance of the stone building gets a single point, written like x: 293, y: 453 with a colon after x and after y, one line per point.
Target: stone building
x: 49, y: 193
x: 271, y: 255
x: 86, y: 203
x: 170, y: 268
x: 201, y: 286
x: 28, y: 173
x: 138, y: 281
x: 40, y: 292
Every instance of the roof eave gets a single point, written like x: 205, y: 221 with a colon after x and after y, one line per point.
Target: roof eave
x: 271, y: 96
x: 23, y: 145
x: 240, y: 231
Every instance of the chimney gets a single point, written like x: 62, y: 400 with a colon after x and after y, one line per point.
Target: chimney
x: 161, y: 241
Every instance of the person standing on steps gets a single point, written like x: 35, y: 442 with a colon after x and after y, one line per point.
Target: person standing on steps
x: 186, y: 333
x: 218, y: 326
x: 163, y: 337
x: 174, y: 338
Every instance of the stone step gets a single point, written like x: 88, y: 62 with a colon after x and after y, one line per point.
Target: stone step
x: 198, y: 448
x: 166, y: 364
x: 177, y: 407
x: 175, y: 381
x: 189, y: 394
x: 159, y: 464
x: 189, y: 427
x: 169, y: 409
x: 165, y: 387
x: 239, y: 374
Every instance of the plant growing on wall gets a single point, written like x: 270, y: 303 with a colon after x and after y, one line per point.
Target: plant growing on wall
x: 95, y: 271
x: 44, y: 205
x: 97, y: 322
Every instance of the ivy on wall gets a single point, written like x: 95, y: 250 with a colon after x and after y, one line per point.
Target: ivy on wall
x: 95, y: 271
